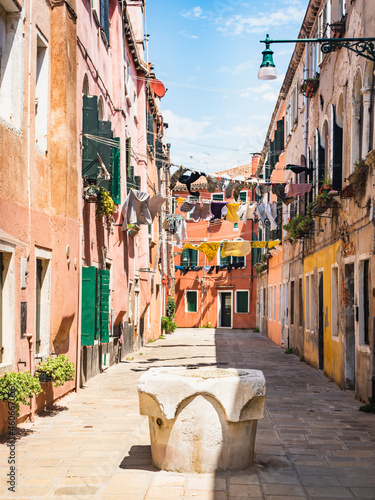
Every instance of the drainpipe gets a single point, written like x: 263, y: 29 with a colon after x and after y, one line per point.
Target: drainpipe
x: 30, y: 339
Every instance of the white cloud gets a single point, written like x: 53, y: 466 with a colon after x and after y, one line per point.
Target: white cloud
x: 236, y: 70
x: 186, y: 128
x: 194, y: 13
x: 257, y: 90
x: 183, y: 33
x: 240, y: 24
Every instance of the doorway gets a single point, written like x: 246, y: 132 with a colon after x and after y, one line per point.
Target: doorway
x: 349, y: 328
x: 225, y: 312
x: 321, y: 322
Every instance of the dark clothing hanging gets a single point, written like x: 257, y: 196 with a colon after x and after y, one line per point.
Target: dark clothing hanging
x: 279, y: 191
x: 216, y: 208
x: 192, y: 178
x: 175, y: 177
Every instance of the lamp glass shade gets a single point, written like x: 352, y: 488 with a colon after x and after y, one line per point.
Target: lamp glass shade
x: 267, y: 73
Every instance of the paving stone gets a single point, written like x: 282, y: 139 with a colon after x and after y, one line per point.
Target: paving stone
x: 286, y: 490
x: 328, y: 492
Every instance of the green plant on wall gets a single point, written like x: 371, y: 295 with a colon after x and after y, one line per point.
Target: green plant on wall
x: 299, y: 226
x: 57, y: 369
x: 171, y: 307
x: 18, y: 387
x: 358, y: 179
x: 105, y: 207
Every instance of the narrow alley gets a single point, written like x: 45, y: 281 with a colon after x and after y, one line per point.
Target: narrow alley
x: 312, y: 444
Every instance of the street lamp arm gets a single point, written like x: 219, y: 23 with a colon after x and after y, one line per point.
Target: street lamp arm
x: 361, y: 46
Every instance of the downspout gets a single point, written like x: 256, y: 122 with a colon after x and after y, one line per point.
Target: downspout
x: 30, y: 339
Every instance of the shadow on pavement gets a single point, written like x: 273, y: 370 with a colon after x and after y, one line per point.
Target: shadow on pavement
x: 138, y: 458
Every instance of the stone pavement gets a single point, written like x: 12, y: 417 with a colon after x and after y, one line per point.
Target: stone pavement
x: 312, y: 444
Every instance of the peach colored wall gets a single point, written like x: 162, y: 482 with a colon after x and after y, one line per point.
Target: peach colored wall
x: 209, y: 285
x: 39, y: 193
x: 275, y: 278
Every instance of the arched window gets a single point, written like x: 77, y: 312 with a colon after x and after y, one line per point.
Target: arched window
x: 85, y: 86
x: 336, y: 147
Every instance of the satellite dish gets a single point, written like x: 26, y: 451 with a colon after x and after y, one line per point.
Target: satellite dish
x: 158, y: 88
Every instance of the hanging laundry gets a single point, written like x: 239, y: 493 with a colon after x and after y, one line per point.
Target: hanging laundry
x: 191, y: 178
x: 196, y: 268
x: 173, y: 180
x: 268, y: 212
x: 242, y: 211
x: 262, y: 189
x: 251, y: 211
x: 208, y: 248
x: 212, y: 180
x: 178, y: 268
x: 279, y: 191
x: 180, y: 230
x: 273, y: 243
x: 211, y: 270
x: 136, y: 209
x: 274, y: 210
x: 207, y: 268
x: 180, y: 200
x: 261, y: 213
x: 298, y: 189
x: 185, y: 270
x: 235, y: 248
x: 216, y: 209
x: 223, y: 183
x: 155, y: 203
x: 202, y: 211
x: 232, y: 214
x: 187, y: 206
x: 237, y: 190
x: 298, y: 169
x: 258, y: 244
x: 234, y: 184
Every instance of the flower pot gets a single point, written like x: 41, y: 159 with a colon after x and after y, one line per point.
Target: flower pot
x: 337, y: 30
x: 44, y: 377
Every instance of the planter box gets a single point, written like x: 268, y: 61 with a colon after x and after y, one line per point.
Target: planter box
x: 309, y: 87
x: 337, y: 30
x: 43, y: 377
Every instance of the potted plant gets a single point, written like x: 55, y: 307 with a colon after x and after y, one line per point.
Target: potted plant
x: 56, y: 369
x: 326, y: 183
x: 106, y: 207
x: 259, y: 267
x: 309, y: 86
x: 299, y: 226
x: 337, y: 28
x: 18, y: 387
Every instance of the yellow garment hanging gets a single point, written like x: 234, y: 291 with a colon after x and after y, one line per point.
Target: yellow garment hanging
x: 232, y: 213
x: 258, y: 244
x: 274, y: 243
x: 209, y: 249
x: 236, y: 248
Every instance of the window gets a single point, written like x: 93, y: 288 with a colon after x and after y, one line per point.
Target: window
x: 307, y: 302
x: 286, y: 302
x: 324, y: 20
x: 7, y: 310
x: 300, y: 302
x: 104, y: 20
x: 41, y: 93
x: 334, y: 301
x: 11, y: 64
x: 194, y: 199
x: 189, y: 257
x: 274, y: 303
x: 135, y: 106
x: 342, y: 9
x: 243, y: 196
x: 280, y: 303
x: 218, y: 197
x: 242, y: 301
x: 292, y: 302
x: 364, y: 303
x: 270, y: 302
x: 191, y: 301
x: 42, y: 300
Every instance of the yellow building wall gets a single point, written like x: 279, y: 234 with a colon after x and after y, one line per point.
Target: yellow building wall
x: 323, y: 261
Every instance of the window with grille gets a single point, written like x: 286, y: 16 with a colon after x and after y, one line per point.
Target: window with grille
x: 191, y: 301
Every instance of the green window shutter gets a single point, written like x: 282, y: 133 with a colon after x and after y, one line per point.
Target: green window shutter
x: 191, y: 298
x: 116, y: 173
x: 158, y: 153
x: 337, y: 153
x: 105, y: 151
x: 150, y: 131
x: 88, y: 305
x: 193, y: 257
x: 219, y: 197
x: 89, y: 146
x: 243, y: 196
x: 129, y: 167
x: 97, y: 305
x: 242, y: 301
x: 321, y: 162
x: 104, y: 306
x: 137, y: 182
x: 185, y: 258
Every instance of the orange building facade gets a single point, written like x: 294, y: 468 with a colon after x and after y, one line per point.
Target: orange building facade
x: 214, y: 296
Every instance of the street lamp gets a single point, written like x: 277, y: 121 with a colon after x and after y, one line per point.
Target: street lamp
x: 361, y: 46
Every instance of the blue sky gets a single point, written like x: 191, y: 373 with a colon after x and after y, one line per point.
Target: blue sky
x: 208, y: 54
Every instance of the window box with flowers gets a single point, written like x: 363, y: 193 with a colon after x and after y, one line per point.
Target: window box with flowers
x: 300, y: 226
x: 309, y: 86
x: 337, y: 28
